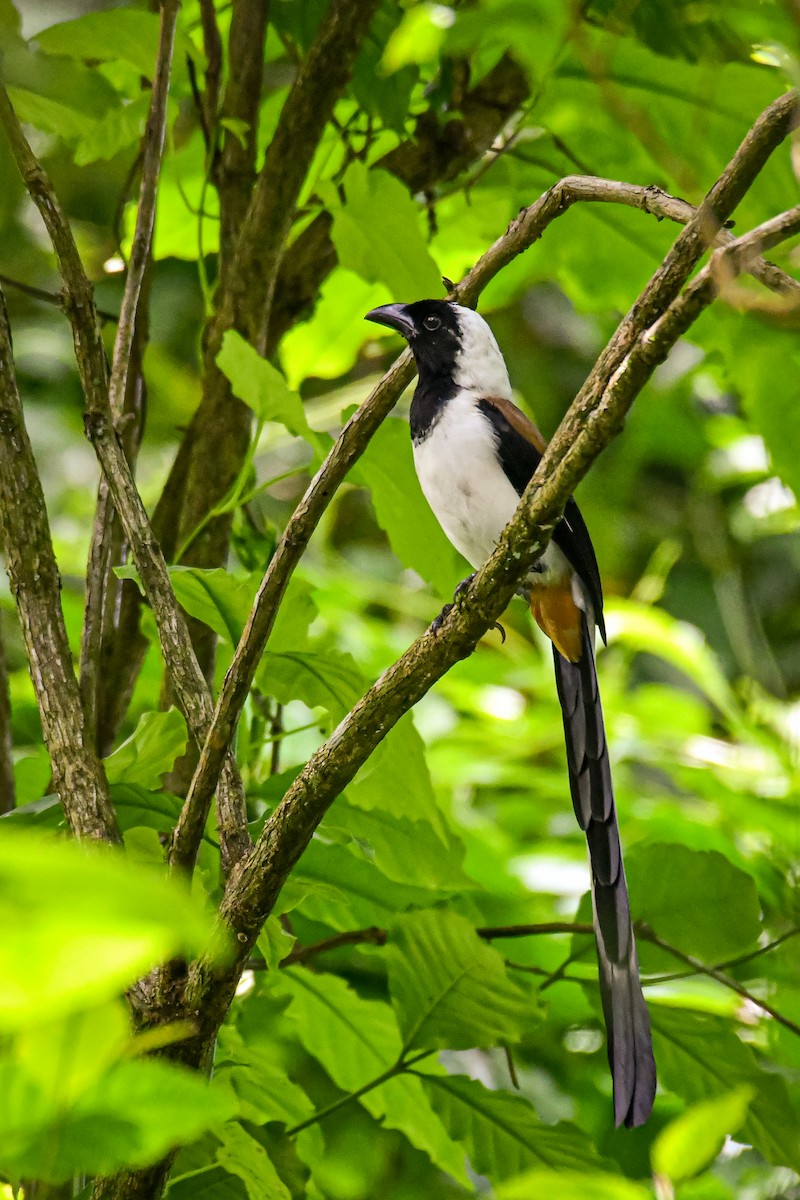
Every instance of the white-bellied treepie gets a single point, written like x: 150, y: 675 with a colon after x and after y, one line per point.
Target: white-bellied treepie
x: 474, y: 452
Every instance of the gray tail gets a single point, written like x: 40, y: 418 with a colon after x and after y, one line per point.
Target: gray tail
x: 630, y: 1049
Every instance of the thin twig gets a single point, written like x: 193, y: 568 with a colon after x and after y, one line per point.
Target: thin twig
x: 719, y: 976
x: 152, y: 149
x: 105, y: 532
x: 398, y: 1069
x: 78, y: 773
x: 729, y: 963
x: 374, y: 936
x: 54, y: 298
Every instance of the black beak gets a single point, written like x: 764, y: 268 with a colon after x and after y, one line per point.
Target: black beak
x: 395, y: 316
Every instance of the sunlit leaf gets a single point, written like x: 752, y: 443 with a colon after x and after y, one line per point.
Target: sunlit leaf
x: 377, y: 235
x: 692, y: 1141
x: 450, y: 988
x: 80, y: 925
x: 159, y: 738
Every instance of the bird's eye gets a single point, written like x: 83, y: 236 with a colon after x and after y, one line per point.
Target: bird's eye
x: 432, y: 323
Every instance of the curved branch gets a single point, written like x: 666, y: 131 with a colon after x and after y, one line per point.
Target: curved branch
x: 79, y: 776
x: 591, y: 423
x: 521, y: 234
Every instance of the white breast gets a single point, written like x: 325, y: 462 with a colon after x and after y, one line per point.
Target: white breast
x: 463, y: 481
x: 467, y: 488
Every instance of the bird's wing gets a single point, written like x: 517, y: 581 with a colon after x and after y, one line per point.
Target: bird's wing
x: 520, y: 446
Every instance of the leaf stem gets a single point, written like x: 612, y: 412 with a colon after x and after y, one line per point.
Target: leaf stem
x: 402, y: 1064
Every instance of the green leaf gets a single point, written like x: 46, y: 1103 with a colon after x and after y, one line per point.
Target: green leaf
x: 82, y: 923
x: 52, y: 116
x: 502, y: 1133
x: 216, y: 597
x: 418, y: 37
x: 377, y: 234
x: 652, y: 631
x: 387, y: 469
x: 406, y: 851
x: 766, y: 373
x: 118, y: 129
x: 448, y: 987
x: 332, y: 886
x: 695, y: 899
x: 357, y: 1040
x: 243, y: 1156
x: 129, y: 1118
x: 398, y: 768
x: 693, y: 1140
x: 262, y: 387
x: 124, y: 34
x: 699, y: 1057
x: 150, y: 751
x: 321, y: 679
x: 274, y: 942
x: 572, y: 1185
x: 328, y: 343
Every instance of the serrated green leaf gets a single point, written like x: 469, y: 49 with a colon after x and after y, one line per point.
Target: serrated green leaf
x: 328, y: 343
x: 322, y: 679
x: 262, y: 387
x: 502, y: 1134
x: 377, y: 234
x: 243, y: 1156
x: 406, y: 851
x: 448, y: 987
x: 356, y: 1040
x: 699, y: 1056
x: 398, y: 768
x: 695, y: 899
x: 52, y: 116
x: 118, y: 129
x: 216, y: 597
x: 693, y: 1140
x: 332, y: 886
x: 387, y: 469
x: 150, y: 751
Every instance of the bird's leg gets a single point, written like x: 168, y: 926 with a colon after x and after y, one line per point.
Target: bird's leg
x: 438, y: 622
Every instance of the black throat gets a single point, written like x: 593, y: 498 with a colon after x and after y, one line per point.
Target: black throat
x: 434, y: 391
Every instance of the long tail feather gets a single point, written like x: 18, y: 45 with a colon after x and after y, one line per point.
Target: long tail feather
x: 630, y: 1051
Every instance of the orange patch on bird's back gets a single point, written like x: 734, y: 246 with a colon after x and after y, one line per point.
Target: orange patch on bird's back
x: 556, y: 613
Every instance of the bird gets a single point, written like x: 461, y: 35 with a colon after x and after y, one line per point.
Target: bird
x: 474, y: 453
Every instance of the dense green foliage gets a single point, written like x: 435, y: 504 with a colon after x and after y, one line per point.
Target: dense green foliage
x: 461, y: 819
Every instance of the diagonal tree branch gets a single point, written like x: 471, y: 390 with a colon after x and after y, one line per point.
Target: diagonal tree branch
x: 521, y: 234
x: 79, y: 776
x: 179, y: 656
x: 255, y: 885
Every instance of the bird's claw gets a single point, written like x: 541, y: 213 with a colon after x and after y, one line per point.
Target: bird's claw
x: 438, y: 621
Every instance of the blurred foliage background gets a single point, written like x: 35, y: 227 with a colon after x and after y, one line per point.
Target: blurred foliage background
x: 695, y: 520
